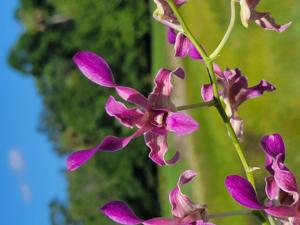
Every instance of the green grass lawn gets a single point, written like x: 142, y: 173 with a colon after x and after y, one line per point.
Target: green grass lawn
x: 260, y: 55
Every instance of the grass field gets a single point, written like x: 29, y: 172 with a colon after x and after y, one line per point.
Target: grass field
x: 260, y: 55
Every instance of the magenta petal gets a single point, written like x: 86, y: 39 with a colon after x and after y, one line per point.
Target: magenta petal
x: 207, y: 92
x: 131, y: 95
x: 120, y: 213
x: 271, y: 188
x: 181, y: 123
x: 171, y: 35
x: 285, y: 179
x: 182, y: 45
x: 162, y: 221
x: 181, y: 204
x: 254, y: 92
x: 112, y: 143
x: 77, y: 159
x: 267, y: 22
x: 273, y: 145
x: 282, y: 211
x: 242, y: 191
x: 160, y: 96
x: 128, y: 117
x: 95, y: 68
x: 158, y: 148
x: 193, y: 52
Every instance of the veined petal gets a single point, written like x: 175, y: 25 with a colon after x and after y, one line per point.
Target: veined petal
x: 77, y: 159
x: 181, y: 123
x: 271, y: 188
x: 285, y: 180
x: 207, y: 92
x: 128, y: 117
x: 112, y: 143
x: 181, y: 204
x: 162, y: 221
x: 273, y: 145
x: 242, y: 191
x: 95, y: 68
x: 184, y: 47
x: 266, y: 21
x: 158, y: 148
x: 263, y: 19
x: 160, y: 96
x: 120, y: 212
x: 254, y: 92
x: 131, y: 95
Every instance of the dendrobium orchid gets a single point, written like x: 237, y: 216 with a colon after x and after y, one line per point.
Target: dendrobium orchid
x: 263, y: 19
x: 184, y: 211
x: 235, y: 91
x: 154, y: 117
x: 164, y: 14
x: 281, y: 187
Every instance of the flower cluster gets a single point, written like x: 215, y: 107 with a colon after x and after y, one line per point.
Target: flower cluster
x: 156, y: 116
x: 184, y: 211
x: 282, y: 190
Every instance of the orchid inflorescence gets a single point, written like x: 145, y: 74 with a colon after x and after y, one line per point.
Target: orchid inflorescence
x: 156, y: 115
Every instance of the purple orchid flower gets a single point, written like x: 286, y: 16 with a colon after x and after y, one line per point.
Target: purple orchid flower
x: 281, y: 187
x: 235, y: 91
x: 184, y: 211
x: 164, y: 14
x: 154, y: 117
x: 263, y: 19
x: 183, y: 46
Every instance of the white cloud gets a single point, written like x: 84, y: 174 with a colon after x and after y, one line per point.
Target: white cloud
x: 25, y: 192
x: 16, y: 161
x: 18, y: 166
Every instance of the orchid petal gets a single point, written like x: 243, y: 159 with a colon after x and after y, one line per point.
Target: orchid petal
x: 273, y: 145
x: 200, y: 222
x: 285, y: 179
x: 282, y: 211
x: 112, y: 143
x: 265, y: 20
x: 171, y: 35
x: 238, y: 126
x: 160, y: 96
x: 128, y: 117
x: 183, y: 47
x: 207, y: 92
x: 181, y: 204
x: 242, y: 191
x: 254, y: 92
x: 181, y: 123
x: 158, y: 148
x: 77, y: 159
x: 162, y: 221
x: 131, y: 95
x: 95, y: 68
x: 120, y: 212
x: 271, y: 188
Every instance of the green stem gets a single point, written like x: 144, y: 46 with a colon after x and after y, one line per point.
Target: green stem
x: 209, y: 64
x: 228, y: 32
x: 196, y: 105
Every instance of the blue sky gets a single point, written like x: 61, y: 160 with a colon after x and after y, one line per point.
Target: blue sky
x: 29, y: 169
